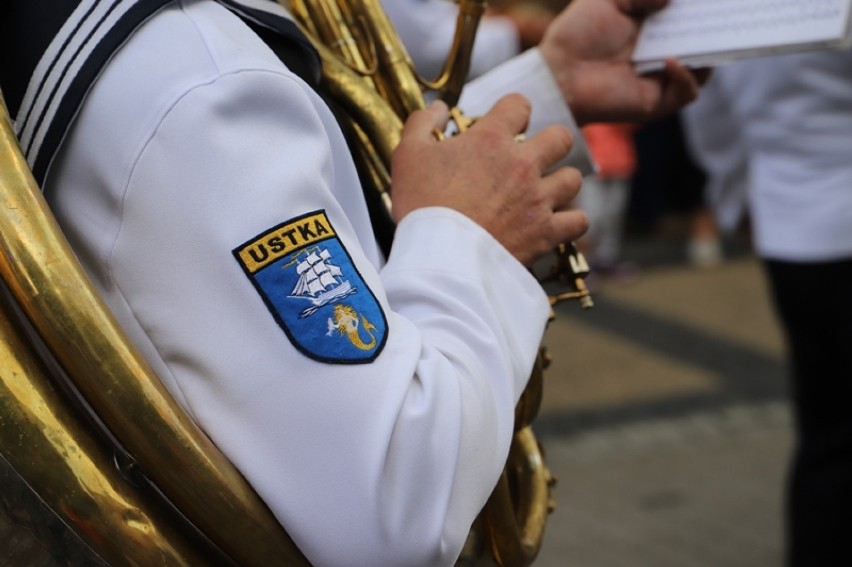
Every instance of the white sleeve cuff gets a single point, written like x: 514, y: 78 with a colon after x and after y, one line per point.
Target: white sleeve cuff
x: 518, y: 306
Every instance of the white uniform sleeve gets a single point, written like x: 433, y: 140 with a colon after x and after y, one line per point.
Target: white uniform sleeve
x: 379, y: 463
x: 529, y: 75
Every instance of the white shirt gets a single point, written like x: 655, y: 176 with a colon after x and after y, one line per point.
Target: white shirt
x: 793, y: 115
x: 714, y: 138
x: 195, y: 140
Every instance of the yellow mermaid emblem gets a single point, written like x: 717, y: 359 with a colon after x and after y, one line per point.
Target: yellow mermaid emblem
x: 345, y: 322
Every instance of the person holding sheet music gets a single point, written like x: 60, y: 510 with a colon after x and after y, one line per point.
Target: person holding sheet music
x: 792, y: 118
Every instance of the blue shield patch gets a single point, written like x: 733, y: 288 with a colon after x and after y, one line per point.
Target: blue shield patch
x: 313, y: 290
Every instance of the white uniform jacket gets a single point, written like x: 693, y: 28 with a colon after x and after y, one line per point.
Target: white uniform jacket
x: 210, y: 194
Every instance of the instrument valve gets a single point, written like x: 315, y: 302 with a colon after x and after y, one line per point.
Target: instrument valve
x: 570, y: 268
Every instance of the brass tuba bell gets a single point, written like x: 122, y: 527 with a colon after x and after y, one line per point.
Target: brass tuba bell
x: 82, y: 415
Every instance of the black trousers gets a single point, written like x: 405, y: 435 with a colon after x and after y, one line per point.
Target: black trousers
x: 814, y: 303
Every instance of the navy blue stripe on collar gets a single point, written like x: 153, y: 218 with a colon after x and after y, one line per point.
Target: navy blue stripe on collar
x: 26, y: 29
x: 59, y: 57
x: 66, y: 68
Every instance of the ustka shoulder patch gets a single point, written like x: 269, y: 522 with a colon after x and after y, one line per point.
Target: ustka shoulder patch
x: 311, y: 286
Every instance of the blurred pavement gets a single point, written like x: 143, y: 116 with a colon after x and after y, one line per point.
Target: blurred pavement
x: 666, y: 420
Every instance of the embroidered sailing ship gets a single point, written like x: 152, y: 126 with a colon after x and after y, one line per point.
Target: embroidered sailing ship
x: 320, y: 281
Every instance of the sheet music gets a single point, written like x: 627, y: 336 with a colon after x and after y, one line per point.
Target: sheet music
x: 707, y: 32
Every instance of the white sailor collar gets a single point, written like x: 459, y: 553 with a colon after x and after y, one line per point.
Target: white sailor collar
x: 62, y: 46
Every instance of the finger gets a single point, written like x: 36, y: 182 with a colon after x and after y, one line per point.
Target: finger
x: 422, y: 124
x: 681, y: 85
x: 563, y: 186
x: 511, y: 113
x: 702, y: 75
x: 569, y: 225
x: 549, y: 146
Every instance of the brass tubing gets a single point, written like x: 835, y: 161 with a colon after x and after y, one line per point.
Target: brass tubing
x: 516, y: 519
x: 396, y: 76
x: 450, y: 81
x: 73, y: 473
x: 51, y: 288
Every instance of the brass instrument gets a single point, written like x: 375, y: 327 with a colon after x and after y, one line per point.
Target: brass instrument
x: 368, y: 73
x: 92, y: 468
x: 89, y: 428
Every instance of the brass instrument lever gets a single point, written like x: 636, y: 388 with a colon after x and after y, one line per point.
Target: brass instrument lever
x: 570, y: 268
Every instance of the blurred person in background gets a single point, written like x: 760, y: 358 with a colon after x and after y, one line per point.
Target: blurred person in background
x: 790, y: 120
x: 427, y: 28
x: 669, y: 181
x: 714, y: 140
x: 604, y: 198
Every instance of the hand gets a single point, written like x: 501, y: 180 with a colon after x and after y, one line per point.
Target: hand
x: 588, y: 47
x: 529, y: 18
x: 488, y: 176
